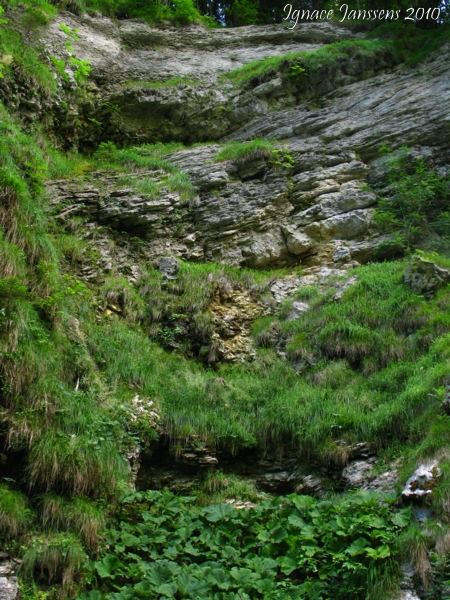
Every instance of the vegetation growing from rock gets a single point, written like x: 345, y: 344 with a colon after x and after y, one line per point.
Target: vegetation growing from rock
x: 107, y: 358
x: 394, y: 44
x: 175, y: 81
x: 416, y: 202
x: 246, y: 151
x: 299, y: 65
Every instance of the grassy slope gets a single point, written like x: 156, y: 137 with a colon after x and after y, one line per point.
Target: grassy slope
x: 373, y: 367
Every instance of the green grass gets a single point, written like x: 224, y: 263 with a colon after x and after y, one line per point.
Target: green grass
x: 173, y: 82
x: 28, y: 65
x: 245, y: 151
x: 147, y: 156
x: 300, y: 64
x: 358, y: 356
x: 16, y: 516
x: 372, y: 366
x: 402, y: 42
x: 131, y: 161
x: 216, y: 487
x: 441, y: 261
x: 368, y: 364
x: 80, y: 515
x: 57, y: 557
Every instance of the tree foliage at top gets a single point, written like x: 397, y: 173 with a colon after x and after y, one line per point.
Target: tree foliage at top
x: 235, y: 13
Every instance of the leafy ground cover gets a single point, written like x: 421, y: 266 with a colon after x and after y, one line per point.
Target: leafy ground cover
x: 293, y: 547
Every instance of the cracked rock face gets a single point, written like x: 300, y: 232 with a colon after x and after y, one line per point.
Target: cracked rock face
x: 255, y: 223
x: 9, y: 587
x: 252, y: 212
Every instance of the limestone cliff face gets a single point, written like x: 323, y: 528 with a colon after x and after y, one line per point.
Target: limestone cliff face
x: 251, y: 213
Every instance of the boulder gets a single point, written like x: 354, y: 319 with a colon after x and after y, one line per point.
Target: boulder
x: 407, y: 595
x: 298, y: 308
x: 357, y: 473
x: 385, y: 483
x: 425, y: 277
x: 298, y: 242
x: 341, y: 254
x: 350, y: 281
x: 9, y: 587
x: 446, y: 403
x: 422, y: 482
x: 169, y: 267
x: 282, y: 288
x: 310, y: 486
x: 341, y: 227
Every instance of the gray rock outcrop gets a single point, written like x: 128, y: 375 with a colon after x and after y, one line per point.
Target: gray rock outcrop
x: 316, y: 208
x: 357, y: 472
x: 425, y: 277
x: 9, y: 587
x: 422, y: 482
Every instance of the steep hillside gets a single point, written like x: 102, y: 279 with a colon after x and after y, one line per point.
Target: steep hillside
x: 224, y: 273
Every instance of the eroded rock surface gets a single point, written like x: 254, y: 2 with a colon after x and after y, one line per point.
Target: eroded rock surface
x: 422, y: 482
x: 9, y: 587
x: 425, y: 276
x: 358, y: 472
x: 252, y: 212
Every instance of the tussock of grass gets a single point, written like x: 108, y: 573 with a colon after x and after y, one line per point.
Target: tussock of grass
x: 246, y: 151
x: 122, y: 296
x: 75, y: 463
x: 56, y: 557
x: 218, y: 487
x: 63, y: 166
x: 80, y: 516
x: 15, y: 515
x: 147, y: 156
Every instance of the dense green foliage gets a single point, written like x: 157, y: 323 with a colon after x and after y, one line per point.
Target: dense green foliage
x: 294, y: 547
x: 235, y: 12
x: 415, y: 203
